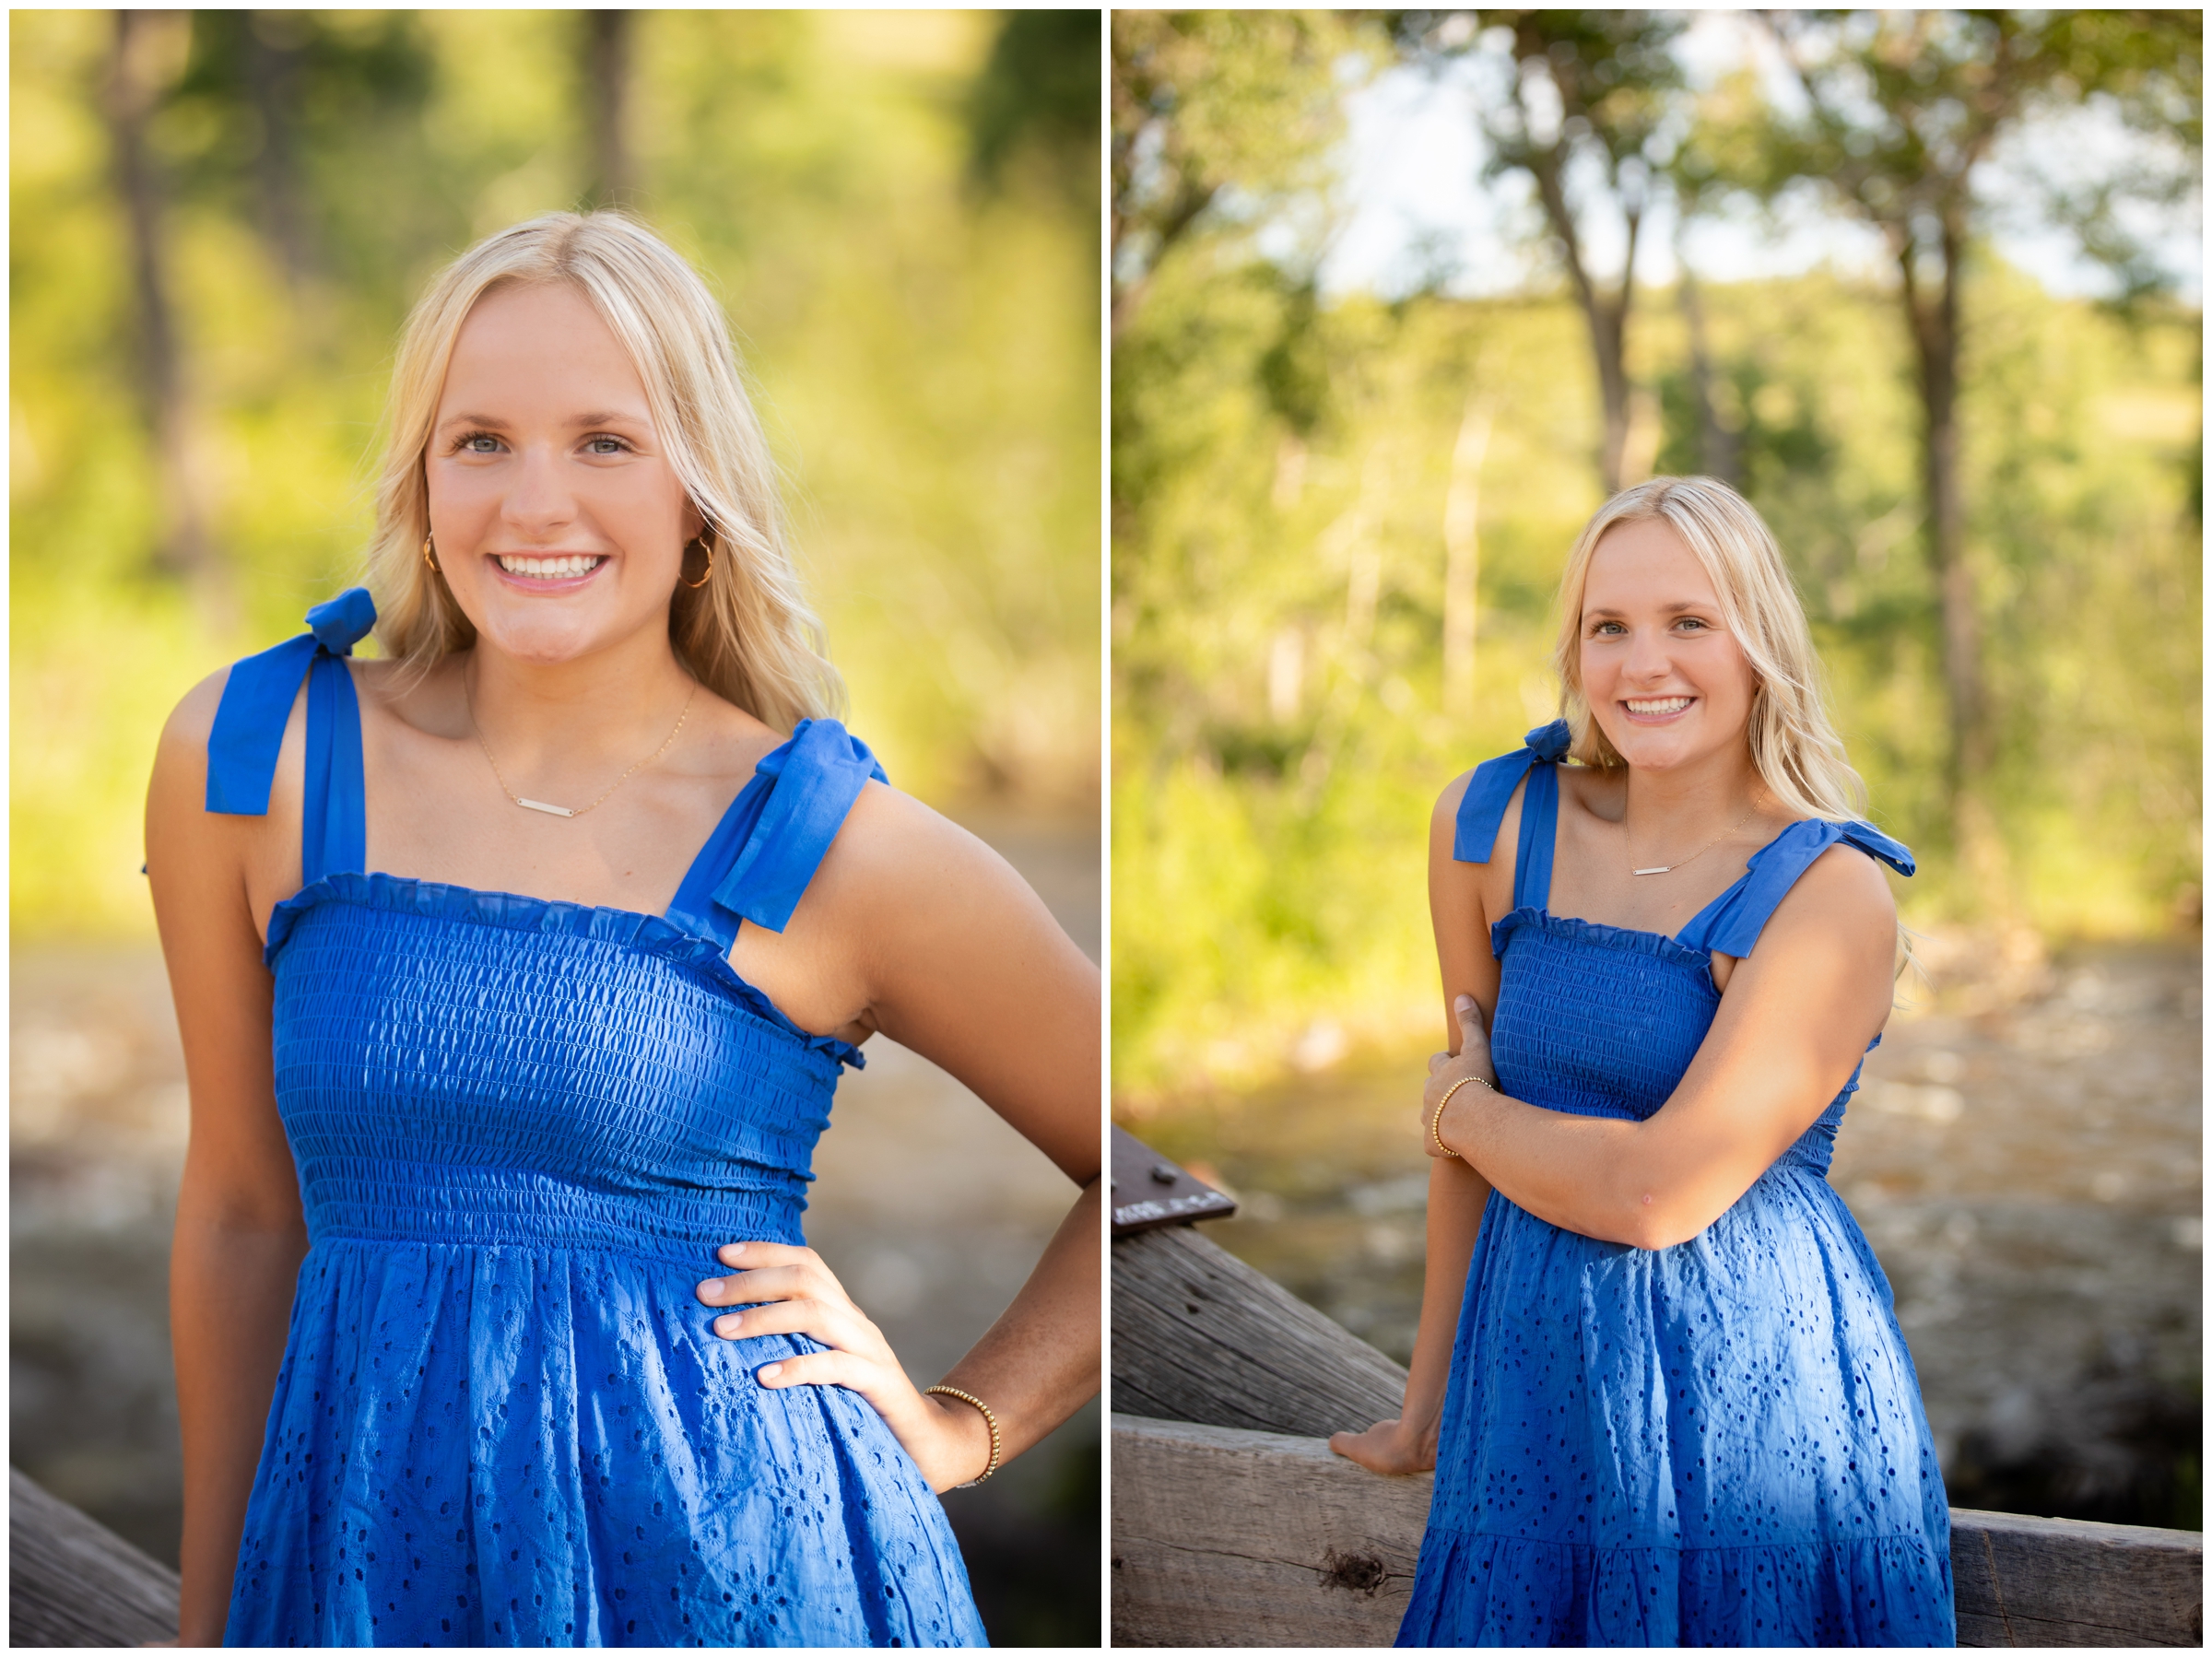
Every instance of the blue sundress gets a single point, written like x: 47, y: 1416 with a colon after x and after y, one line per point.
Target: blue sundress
x: 522, y: 1130
x: 1717, y: 1443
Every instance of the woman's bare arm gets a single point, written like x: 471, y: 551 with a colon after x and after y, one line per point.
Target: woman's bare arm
x: 1461, y: 899
x: 240, y: 1234
x: 1794, y: 1022
x: 960, y: 960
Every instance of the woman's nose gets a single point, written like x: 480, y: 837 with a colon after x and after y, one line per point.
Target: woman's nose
x: 540, y: 501
x: 1648, y: 655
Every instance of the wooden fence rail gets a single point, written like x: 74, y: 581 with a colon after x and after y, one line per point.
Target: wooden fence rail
x: 1233, y: 1524
x: 71, y: 1581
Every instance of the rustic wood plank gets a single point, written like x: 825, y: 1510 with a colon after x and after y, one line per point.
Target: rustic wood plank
x: 71, y: 1581
x: 1223, y: 1536
x: 1198, y: 1335
x: 2068, y: 1582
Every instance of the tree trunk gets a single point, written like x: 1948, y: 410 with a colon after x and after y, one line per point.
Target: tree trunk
x: 1463, y: 555
x: 272, y: 69
x: 1607, y: 318
x: 606, y: 92
x: 1716, y: 443
x: 181, y: 544
x: 1934, y: 324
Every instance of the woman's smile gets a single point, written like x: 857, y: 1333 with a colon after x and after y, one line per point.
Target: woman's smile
x: 548, y: 571
x: 1656, y: 710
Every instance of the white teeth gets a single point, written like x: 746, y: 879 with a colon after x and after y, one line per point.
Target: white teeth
x: 1671, y: 704
x: 550, y: 569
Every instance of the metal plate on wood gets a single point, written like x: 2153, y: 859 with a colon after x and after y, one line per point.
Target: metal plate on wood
x: 1151, y: 1190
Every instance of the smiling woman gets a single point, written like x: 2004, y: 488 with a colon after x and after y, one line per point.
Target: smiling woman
x: 515, y: 973
x: 1678, y: 1409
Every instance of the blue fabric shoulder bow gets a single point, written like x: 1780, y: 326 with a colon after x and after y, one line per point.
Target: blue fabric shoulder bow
x: 1482, y: 807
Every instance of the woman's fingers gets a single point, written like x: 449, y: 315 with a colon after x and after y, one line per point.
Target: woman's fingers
x: 826, y: 1369
x: 788, y: 1291
x: 833, y: 1323
x: 771, y: 1283
x: 1437, y: 1060
x: 750, y: 1254
x: 1471, y: 1026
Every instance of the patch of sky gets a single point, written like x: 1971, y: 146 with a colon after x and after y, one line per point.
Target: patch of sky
x: 1412, y: 210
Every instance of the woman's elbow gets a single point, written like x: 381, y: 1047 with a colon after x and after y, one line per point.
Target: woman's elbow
x: 1659, y: 1219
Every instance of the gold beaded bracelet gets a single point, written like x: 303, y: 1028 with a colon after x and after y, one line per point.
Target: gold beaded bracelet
x: 1437, y: 1120
x: 990, y: 1421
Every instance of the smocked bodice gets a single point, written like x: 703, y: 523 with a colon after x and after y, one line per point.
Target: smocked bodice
x: 456, y: 1066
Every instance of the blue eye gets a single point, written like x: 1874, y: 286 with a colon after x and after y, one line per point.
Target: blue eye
x: 605, y: 445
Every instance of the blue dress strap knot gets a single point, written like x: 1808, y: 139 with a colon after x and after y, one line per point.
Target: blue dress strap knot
x: 1490, y: 790
x: 248, y: 733
x: 757, y: 863
x: 1731, y: 924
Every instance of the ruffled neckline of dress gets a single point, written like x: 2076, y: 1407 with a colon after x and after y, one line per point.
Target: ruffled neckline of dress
x: 512, y: 912
x: 1654, y: 944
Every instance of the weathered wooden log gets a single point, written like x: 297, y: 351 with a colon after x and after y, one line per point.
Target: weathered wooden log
x: 71, y: 1581
x: 1225, y: 1538
x: 1222, y: 1537
x: 2024, y: 1581
x: 1198, y: 1335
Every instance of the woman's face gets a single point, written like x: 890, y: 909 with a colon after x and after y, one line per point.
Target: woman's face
x: 1664, y: 680
x: 560, y: 522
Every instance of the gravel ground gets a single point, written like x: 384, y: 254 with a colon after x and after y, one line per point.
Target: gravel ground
x: 929, y: 1208
x: 2026, y: 1157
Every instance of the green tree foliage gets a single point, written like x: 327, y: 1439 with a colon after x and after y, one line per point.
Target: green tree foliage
x: 1217, y: 118
x: 1899, y: 114
x: 1282, y: 473
x: 924, y: 354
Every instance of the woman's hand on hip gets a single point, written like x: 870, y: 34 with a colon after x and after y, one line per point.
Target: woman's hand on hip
x: 780, y: 1289
x: 1471, y: 1064
x: 1389, y: 1447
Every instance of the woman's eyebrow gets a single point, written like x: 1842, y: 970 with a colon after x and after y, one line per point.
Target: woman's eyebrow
x: 1676, y: 608
x: 602, y: 417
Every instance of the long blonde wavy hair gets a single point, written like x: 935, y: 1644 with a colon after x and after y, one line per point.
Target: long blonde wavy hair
x: 1793, y: 746
x: 747, y: 634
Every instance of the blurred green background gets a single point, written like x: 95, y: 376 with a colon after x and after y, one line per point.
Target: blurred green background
x: 218, y: 221
x: 1289, y: 454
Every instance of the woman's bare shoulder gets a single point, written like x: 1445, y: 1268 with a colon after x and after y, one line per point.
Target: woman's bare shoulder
x: 892, y: 844
x: 180, y: 755
x: 1842, y: 898
x: 1447, y: 803
x: 191, y: 721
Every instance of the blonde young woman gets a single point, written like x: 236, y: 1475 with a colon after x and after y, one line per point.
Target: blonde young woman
x: 515, y: 971
x: 1678, y: 1409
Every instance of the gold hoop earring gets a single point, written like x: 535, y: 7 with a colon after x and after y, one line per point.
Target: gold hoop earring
x: 426, y: 558
x: 705, y: 539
